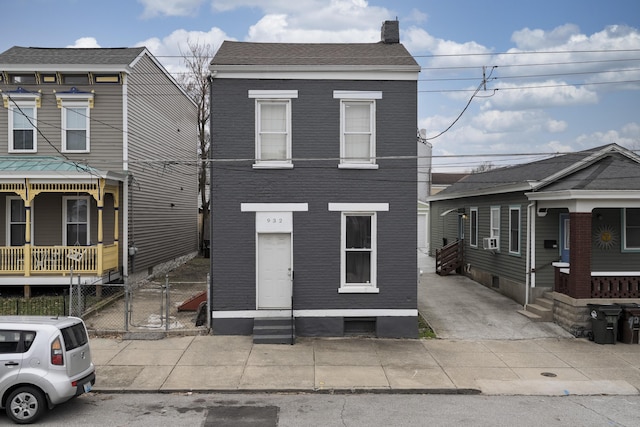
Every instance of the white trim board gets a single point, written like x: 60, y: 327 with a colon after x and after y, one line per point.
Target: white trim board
x: 250, y: 314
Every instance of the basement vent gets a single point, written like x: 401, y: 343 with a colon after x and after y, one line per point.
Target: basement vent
x: 495, y: 282
x: 360, y: 326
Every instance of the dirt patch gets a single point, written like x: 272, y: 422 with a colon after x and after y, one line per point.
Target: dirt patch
x: 195, y: 270
x: 147, y: 310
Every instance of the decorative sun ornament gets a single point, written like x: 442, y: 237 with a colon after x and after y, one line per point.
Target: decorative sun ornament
x: 605, y: 237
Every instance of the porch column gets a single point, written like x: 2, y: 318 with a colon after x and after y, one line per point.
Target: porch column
x: 580, y: 255
x: 100, y: 204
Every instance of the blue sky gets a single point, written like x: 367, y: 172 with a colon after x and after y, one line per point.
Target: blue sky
x: 567, y: 76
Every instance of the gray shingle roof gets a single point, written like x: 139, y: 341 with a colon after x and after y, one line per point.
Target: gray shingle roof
x: 611, y: 171
x: 313, y: 54
x: 18, y: 55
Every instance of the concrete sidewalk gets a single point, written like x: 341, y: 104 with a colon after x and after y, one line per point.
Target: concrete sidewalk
x: 546, y: 366
x: 484, y: 346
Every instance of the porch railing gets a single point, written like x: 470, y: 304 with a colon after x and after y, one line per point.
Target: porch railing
x: 615, y: 287
x: 603, y: 286
x: 58, y: 259
x: 449, y: 258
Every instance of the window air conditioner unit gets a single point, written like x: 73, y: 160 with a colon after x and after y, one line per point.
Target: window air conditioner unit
x: 490, y: 243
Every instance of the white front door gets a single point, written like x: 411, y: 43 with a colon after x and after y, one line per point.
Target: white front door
x: 274, y: 271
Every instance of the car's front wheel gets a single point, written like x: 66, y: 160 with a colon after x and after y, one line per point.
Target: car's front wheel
x: 25, y: 405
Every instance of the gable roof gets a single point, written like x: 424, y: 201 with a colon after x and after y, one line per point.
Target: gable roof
x: 18, y: 55
x: 442, y: 178
x: 323, y: 54
x: 610, y: 167
x: 20, y: 58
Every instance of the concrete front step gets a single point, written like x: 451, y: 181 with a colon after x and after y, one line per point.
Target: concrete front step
x: 537, y: 313
x: 533, y: 317
x: 545, y: 302
x: 277, y: 330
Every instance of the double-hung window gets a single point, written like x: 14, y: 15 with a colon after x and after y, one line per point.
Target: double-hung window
x: 357, y: 128
x: 75, y: 107
x: 17, y: 224
x: 76, y: 221
x: 514, y: 230
x: 358, y: 246
x: 273, y: 127
x: 631, y: 229
x: 473, y: 225
x: 494, y: 225
x: 23, y: 121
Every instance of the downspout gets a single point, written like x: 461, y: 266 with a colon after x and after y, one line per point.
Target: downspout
x: 211, y: 207
x: 530, y: 256
x: 125, y: 184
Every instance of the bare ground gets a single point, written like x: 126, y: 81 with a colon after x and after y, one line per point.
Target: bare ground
x: 148, y: 305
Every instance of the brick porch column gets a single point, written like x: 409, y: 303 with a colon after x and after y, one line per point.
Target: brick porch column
x: 580, y: 255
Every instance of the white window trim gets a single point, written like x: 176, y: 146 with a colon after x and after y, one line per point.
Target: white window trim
x: 64, y: 218
x: 8, y: 221
x: 625, y: 248
x: 372, y: 286
x: 511, y: 209
x: 346, y: 96
x: 471, y: 220
x: 493, y: 226
x: 273, y: 94
x: 15, y: 105
x: 359, y: 209
x: 285, y: 163
x: 87, y: 129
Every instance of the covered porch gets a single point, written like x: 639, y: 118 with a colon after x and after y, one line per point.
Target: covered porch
x: 62, y: 219
x: 599, y: 242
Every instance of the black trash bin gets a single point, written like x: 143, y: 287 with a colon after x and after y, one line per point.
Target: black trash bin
x: 629, y: 324
x: 604, y: 322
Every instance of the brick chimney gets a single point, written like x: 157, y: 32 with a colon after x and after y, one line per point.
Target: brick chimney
x: 390, y: 32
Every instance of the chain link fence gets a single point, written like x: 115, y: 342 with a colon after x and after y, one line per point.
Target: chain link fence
x: 152, y: 305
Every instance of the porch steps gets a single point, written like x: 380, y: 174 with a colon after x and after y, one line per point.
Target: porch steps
x: 273, y: 330
x: 540, y: 311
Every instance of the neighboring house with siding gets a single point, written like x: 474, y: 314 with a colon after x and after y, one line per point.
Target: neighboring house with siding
x: 313, y: 188
x: 92, y: 173
x: 566, y: 228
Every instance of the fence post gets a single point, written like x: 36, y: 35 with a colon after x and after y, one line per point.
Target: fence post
x: 126, y: 303
x: 166, y: 287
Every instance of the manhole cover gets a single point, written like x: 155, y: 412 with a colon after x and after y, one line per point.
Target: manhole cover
x: 548, y: 374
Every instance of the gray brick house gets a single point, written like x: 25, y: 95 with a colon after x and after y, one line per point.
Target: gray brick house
x: 92, y: 176
x: 313, y: 188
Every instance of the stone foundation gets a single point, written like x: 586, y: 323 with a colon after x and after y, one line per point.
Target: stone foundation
x: 573, y: 314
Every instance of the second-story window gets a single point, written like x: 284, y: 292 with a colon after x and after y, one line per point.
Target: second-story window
x: 23, y: 121
x: 357, y: 128
x: 273, y: 128
x: 75, y: 107
x: 75, y: 128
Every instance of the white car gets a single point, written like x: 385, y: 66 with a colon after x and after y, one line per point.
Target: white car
x: 44, y: 361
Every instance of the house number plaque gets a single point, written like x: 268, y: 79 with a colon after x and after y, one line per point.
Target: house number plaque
x: 274, y: 222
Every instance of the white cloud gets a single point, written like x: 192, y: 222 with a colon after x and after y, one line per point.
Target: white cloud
x: 542, y: 94
x: 527, y: 39
x: 169, y: 50
x: 312, y: 21
x: 86, y: 42
x: 153, y: 8
x: 628, y: 136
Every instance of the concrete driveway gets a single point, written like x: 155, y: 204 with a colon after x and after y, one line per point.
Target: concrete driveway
x: 458, y: 308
